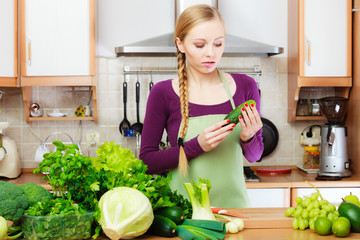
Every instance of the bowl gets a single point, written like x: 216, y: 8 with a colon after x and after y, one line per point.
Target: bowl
x: 76, y: 226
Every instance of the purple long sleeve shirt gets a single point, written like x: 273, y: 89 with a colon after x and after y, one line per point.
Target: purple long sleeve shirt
x: 163, y: 113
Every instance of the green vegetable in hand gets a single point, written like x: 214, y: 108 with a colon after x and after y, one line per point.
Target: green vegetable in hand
x: 199, y: 198
x: 233, y: 116
x: 13, y: 201
x: 36, y: 193
x: 125, y: 213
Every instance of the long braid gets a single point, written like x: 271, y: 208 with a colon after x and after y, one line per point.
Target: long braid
x: 188, y: 19
x: 184, y: 103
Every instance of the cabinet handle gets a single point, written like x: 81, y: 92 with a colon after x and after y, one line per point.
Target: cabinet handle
x: 308, y: 52
x: 29, y: 52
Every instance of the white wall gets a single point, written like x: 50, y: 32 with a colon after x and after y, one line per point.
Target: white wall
x: 126, y: 21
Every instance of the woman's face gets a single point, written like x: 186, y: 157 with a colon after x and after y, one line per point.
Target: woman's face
x: 204, y: 46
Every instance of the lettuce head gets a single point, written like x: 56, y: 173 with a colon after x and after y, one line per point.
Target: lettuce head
x: 113, y: 157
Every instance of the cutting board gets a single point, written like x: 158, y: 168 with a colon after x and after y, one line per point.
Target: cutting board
x: 263, y: 217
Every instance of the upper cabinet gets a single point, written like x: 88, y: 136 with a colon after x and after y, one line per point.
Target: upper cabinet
x: 55, y: 38
x: 8, y: 43
x: 57, y: 48
x: 319, y: 49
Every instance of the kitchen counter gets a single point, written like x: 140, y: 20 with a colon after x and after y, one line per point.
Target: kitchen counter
x: 295, y: 179
x: 269, y: 224
x: 263, y: 223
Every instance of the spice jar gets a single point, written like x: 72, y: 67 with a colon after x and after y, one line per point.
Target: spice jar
x: 302, y: 108
x: 311, y: 157
x: 315, y: 107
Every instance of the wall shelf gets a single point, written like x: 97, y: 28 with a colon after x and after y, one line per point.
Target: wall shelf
x: 27, y: 99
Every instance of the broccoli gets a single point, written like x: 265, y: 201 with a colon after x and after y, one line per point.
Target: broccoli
x: 13, y: 201
x: 36, y: 193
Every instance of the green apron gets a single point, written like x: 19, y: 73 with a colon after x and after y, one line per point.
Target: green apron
x: 223, y: 165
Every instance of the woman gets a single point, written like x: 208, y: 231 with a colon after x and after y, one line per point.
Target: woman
x: 192, y: 108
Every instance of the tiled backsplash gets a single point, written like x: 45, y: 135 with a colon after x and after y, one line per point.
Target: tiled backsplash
x: 272, y: 82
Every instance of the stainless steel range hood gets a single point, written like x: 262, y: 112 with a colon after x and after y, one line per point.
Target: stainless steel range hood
x: 164, y: 46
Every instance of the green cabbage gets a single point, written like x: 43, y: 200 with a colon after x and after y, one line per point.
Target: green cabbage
x: 125, y: 213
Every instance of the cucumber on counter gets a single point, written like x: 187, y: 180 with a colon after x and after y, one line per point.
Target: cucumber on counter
x: 233, y: 116
x: 175, y: 213
x: 163, y: 226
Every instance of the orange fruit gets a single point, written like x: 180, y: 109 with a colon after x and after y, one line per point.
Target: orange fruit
x: 323, y: 226
x: 341, y: 227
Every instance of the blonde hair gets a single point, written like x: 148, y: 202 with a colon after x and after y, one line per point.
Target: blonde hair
x: 188, y: 19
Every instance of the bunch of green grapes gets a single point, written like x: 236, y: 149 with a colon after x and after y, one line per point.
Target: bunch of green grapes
x: 308, y: 209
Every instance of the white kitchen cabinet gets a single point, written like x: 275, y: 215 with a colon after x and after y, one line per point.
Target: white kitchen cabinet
x: 56, y: 38
x: 57, y: 48
x: 269, y: 197
x: 8, y: 43
x: 333, y: 195
x: 325, y: 38
x: 319, y: 49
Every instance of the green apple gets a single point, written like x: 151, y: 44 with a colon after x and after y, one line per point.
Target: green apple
x: 352, y: 199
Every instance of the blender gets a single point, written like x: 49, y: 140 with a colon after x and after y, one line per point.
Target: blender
x: 10, y: 166
x: 334, y: 162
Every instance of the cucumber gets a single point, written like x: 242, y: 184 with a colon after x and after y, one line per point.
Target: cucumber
x: 163, y: 226
x: 351, y: 212
x: 233, y: 116
x: 175, y: 213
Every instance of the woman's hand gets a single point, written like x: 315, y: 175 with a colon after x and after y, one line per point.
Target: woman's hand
x: 250, y: 122
x: 210, y: 137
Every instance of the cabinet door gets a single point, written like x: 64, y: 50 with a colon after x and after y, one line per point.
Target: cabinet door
x: 325, y: 38
x: 333, y: 195
x: 57, y: 38
x: 8, y: 40
x: 269, y: 197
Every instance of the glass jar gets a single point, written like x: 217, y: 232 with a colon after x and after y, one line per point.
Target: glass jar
x: 315, y: 107
x: 311, y: 157
x: 302, y: 108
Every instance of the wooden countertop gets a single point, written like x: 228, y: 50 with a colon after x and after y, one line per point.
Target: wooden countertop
x: 295, y: 179
x: 269, y: 224
x: 263, y: 223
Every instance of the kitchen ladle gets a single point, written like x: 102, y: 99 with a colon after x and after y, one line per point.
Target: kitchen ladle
x: 125, y: 124
x: 138, y: 125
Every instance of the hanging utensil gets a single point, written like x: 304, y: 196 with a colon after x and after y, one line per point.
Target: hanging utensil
x: 151, y: 84
x: 138, y: 125
x: 124, y: 124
